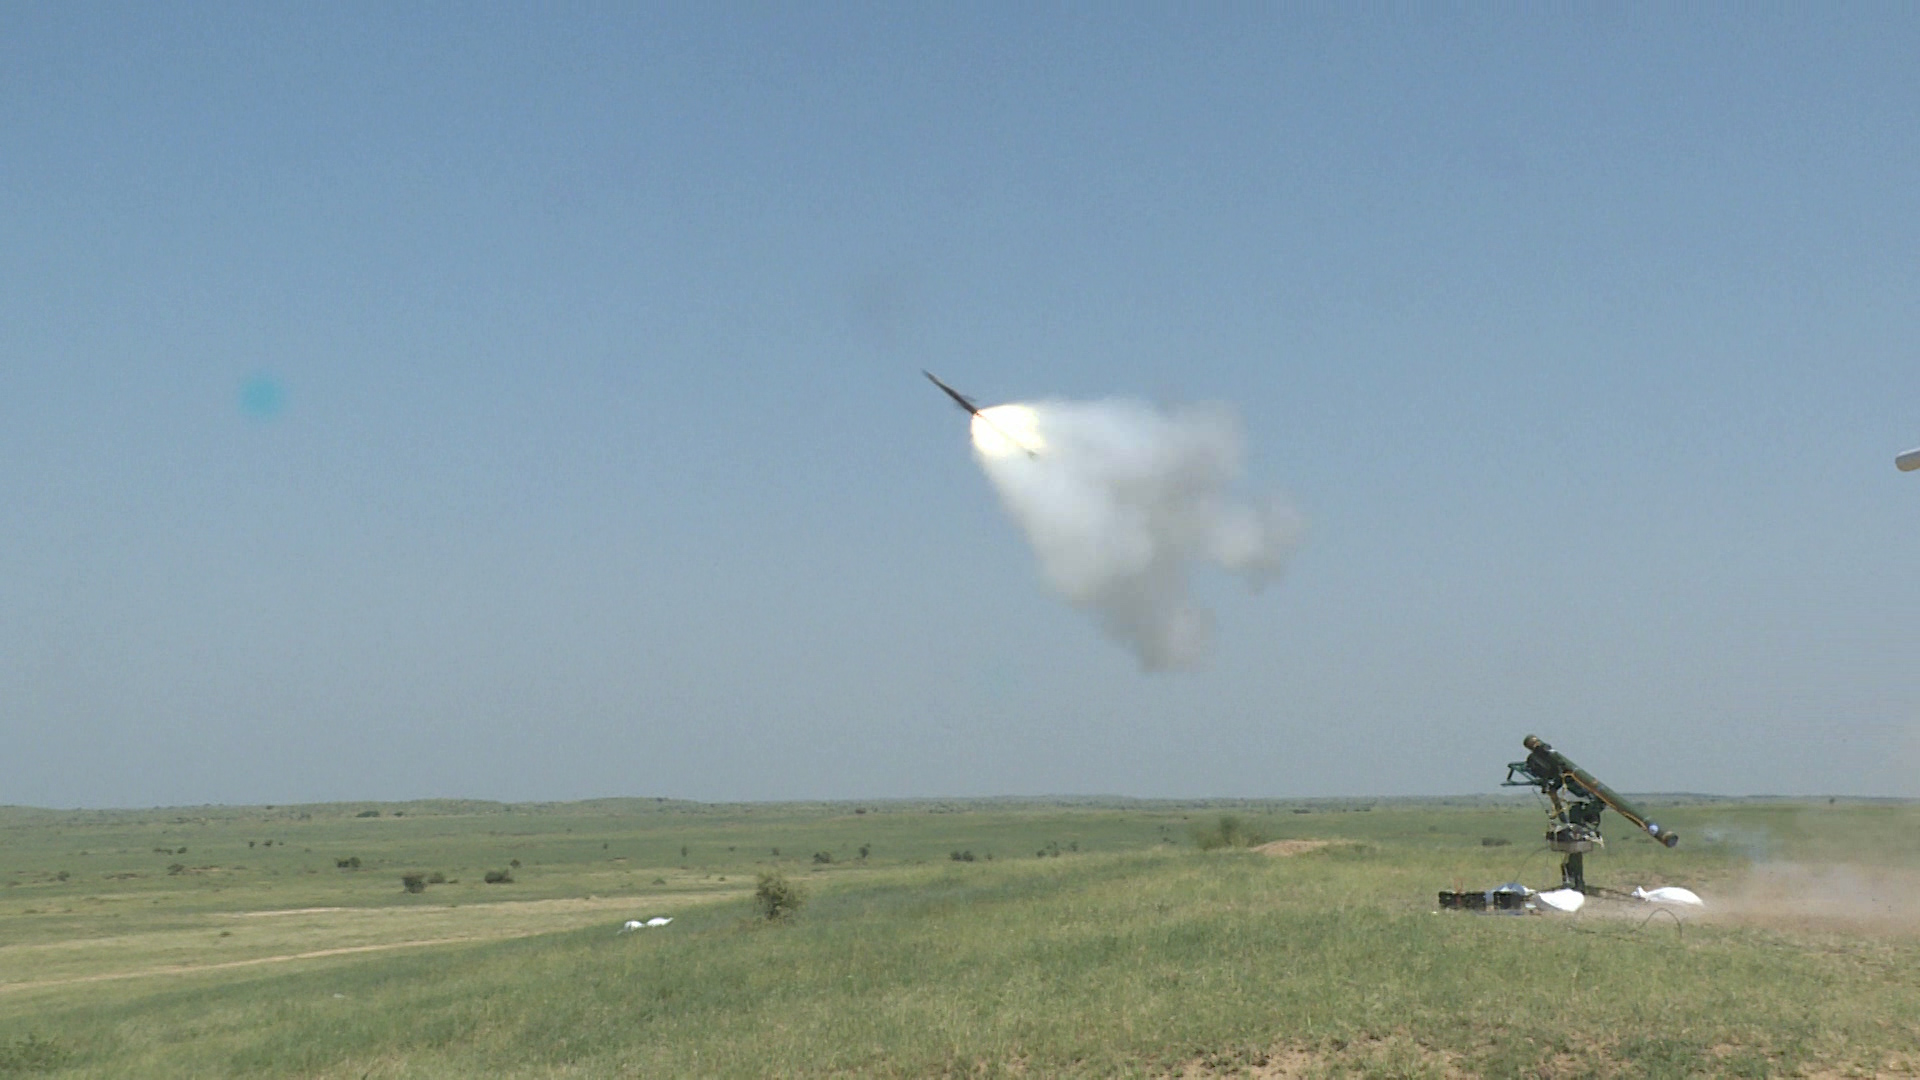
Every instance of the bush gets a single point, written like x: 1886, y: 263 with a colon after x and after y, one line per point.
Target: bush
x: 822, y: 858
x: 499, y: 877
x: 368, y: 813
x: 350, y: 863
x: 32, y: 1054
x: 414, y: 883
x: 776, y: 897
x: 1228, y: 832
x: 436, y: 878
x: 1494, y: 841
x: 961, y: 856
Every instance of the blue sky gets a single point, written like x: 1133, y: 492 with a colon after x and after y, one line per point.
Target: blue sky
x: 524, y: 402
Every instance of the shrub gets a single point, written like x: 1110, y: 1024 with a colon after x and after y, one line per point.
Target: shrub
x: 32, y: 1054
x: 368, y: 813
x: 961, y: 856
x: 776, y: 897
x: 349, y: 863
x: 1228, y: 832
x: 436, y: 878
x: 414, y: 883
x: 176, y: 868
x: 1494, y: 841
x: 822, y: 857
x: 864, y: 849
x: 499, y: 877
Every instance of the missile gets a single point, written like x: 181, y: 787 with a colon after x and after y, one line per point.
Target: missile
x: 973, y: 410
x: 1906, y: 462
x: 959, y: 398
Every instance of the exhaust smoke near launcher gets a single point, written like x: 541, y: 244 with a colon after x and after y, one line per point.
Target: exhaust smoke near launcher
x: 1120, y: 500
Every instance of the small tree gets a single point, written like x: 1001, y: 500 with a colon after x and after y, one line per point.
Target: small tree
x: 414, y: 883
x: 499, y: 877
x: 1228, y: 832
x: 776, y: 897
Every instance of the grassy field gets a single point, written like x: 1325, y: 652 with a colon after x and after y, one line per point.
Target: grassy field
x: 1080, y: 938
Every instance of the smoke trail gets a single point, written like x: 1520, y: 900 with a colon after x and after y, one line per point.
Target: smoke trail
x: 1119, y: 499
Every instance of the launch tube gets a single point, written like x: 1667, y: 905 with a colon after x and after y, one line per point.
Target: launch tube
x: 1574, y: 776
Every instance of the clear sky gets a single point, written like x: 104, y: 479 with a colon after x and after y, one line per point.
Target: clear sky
x: 523, y: 402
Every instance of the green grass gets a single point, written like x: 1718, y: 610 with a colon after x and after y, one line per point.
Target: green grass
x: 1137, y: 954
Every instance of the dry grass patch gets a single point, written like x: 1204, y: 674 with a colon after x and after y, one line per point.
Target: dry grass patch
x: 1395, y: 1055
x: 1283, y: 848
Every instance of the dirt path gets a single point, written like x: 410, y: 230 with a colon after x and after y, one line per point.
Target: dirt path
x: 487, y: 921
x: 189, y: 969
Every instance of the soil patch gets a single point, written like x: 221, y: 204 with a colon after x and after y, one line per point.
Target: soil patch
x: 1282, y: 848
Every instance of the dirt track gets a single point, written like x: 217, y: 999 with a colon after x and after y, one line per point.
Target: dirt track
x: 188, y: 969
x: 495, y: 921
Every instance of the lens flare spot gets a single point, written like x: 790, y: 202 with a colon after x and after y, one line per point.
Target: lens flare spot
x: 262, y: 397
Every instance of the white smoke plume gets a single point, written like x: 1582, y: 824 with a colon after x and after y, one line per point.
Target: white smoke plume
x: 1120, y: 500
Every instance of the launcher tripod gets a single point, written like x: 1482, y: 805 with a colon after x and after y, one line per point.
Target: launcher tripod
x: 1573, y: 823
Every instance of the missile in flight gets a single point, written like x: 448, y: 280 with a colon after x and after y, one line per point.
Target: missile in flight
x: 1907, y: 462
x: 959, y: 398
x: 979, y: 415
